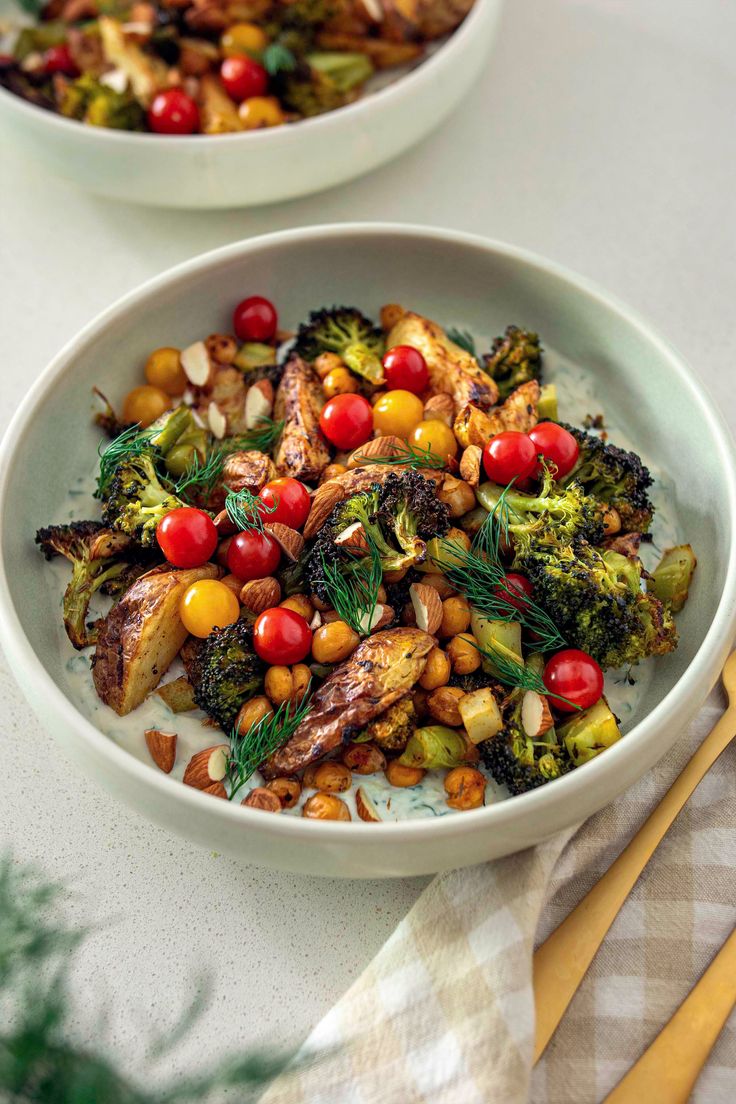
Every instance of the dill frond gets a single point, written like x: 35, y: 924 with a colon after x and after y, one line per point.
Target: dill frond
x: 248, y: 750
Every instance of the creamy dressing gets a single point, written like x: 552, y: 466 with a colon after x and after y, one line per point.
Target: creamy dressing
x: 576, y: 398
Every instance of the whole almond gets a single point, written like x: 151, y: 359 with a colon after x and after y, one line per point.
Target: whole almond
x: 216, y: 789
x: 427, y: 607
x: 353, y: 539
x: 439, y: 408
x: 223, y: 524
x: 470, y: 462
x: 265, y: 800
x: 290, y: 542
x: 258, y: 595
x: 325, y: 499
x: 365, y: 807
x: 162, y: 747
x: 207, y: 766
x: 536, y: 717
x: 376, y: 449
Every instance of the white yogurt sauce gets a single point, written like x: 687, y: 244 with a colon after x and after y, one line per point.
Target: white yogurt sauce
x: 576, y: 398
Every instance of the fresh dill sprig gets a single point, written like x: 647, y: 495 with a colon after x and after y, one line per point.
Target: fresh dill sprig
x: 131, y: 442
x: 408, y: 456
x: 248, y: 750
x: 517, y: 674
x: 246, y: 510
x: 354, y: 592
x: 260, y: 439
x: 201, y: 476
x: 464, y: 339
x: 277, y: 58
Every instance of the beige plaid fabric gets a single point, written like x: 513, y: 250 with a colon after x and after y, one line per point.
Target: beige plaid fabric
x: 444, y: 1013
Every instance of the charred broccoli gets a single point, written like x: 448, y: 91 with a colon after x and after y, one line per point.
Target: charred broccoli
x: 347, y: 332
x: 515, y: 358
x: 100, y: 560
x: 396, y: 518
x: 519, y: 762
x: 325, y: 81
x: 567, y: 511
x: 136, y: 500
x: 89, y: 100
x: 615, y: 477
x: 391, y: 731
x: 596, y: 601
x: 225, y: 672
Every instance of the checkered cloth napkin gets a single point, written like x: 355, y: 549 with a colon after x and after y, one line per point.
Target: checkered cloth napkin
x: 444, y: 1013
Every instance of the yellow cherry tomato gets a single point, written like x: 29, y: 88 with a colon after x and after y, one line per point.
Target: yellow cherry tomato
x: 206, y: 605
x: 397, y: 412
x: 339, y: 382
x: 261, y: 111
x: 243, y: 38
x: 164, y: 370
x: 145, y: 404
x: 435, y: 436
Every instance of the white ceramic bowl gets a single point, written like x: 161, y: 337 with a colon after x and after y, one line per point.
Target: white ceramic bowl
x: 242, y: 170
x: 640, y: 381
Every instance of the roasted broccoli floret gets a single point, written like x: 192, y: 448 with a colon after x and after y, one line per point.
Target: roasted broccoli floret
x: 596, y: 601
x: 347, y: 332
x: 615, y: 477
x: 519, y: 762
x: 325, y: 81
x: 391, y: 731
x: 567, y: 511
x: 515, y: 358
x: 100, y: 559
x: 397, y: 517
x: 88, y: 100
x: 225, y: 672
x: 136, y: 500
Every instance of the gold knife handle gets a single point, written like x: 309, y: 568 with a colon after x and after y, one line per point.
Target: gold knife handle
x: 561, y: 962
x: 668, y: 1070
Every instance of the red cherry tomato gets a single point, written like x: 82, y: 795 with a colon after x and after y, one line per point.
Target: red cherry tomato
x: 243, y: 77
x: 253, y: 555
x: 281, y: 636
x: 173, y: 112
x: 291, y: 499
x: 557, y: 445
x: 509, y: 455
x: 58, y: 59
x: 576, y: 676
x: 187, y: 537
x: 347, y: 421
x: 517, y: 591
x: 255, y: 319
x: 405, y: 369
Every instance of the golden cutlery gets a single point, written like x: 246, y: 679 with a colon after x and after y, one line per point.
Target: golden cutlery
x: 561, y: 962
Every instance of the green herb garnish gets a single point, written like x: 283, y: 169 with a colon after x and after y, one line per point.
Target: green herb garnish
x: 516, y: 674
x: 464, y: 339
x: 407, y: 456
x: 202, y: 476
x: 131, y: 442
x: 277, y: 58
x: 246, y: 510
x: 250, y: 749
x: 353, y: 591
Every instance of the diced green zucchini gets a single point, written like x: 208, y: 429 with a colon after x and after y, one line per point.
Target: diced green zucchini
x: 673, y: 575
x: 488, y: 495
x: 503, y: 637
x: 254, y: 355
x: 178, y: 695
x: 547, y: 405
x: 434, y: 746
x: 589, y: 733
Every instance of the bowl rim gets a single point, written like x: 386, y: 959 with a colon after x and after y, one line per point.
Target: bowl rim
x: 404, y: 85
x: 702, y: 669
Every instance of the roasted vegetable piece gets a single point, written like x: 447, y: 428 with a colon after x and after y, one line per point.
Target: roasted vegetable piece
x: 325, y: 82
x: 141, y: 635
x: 349, y: 334
x: 178, y: 695
x: 566, y: 511
x: 587, y: 734
x: 452, y: 370
x: 225, y: 672
x: 302, y: 451
x: 517, y: 761
x: 615, y: 477
x: 380, y: 672
x: 137, y: 500
x: 392, y: 729
x: 435, y: 746
x: 673, y: 575
x: 91, y: 102
x: 515, y: 358
x: 518, y: 412
x: 99, y: 557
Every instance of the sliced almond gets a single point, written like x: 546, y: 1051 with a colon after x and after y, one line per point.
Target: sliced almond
x: 365, y: 806
x: 427, y: 607
x: 380, y: 447
x: 217, y: 421
x: 379, y: 618
x: 316, y: 621
x: 290, y: 542
x: 198, y: 368
x: 439, y: 408
x: 325, y: 499
x: 470, y: 462
x: 216, y: 789
x: 258, y: 403
x: 258, y: 595
x: 353, y: 539
x: 207, y: 766
x: 536, y: 718
x: 162, y: 747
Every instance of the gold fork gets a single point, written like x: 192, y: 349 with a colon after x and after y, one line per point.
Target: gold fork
x: 561, y: 962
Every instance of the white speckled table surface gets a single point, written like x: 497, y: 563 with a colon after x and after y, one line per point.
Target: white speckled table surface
x: 601, y: 135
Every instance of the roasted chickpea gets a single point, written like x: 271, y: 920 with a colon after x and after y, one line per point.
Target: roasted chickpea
x: 364, y: 758
x: 308, y: 776
x: 331, y: 472
x: 325, y: 806
x: 440, y: 583
x: 437, y: 670
x: 611, y: 521
x: 328, y: 616
x: 391, y: 313
x: 233, y: 583
x: 442, y: 705
x: 465, y: 788
x: 300, y: 604
x: 326, y: 363
x: 419, y: 697
x: 464, y: 656
x: 145, y: 404
x: 301, y: 676
x: 409, y: 615
x: 455, y: 616
x: 334, y: 642
x: 399, y: 775
x: 221, y: 555
x: 261, y: 798
x: 339, y: 381
x: 458, y: 496
x: 279, y: 684
x: 253, y: 711
x: 288, y: 790
x: 318, y: 603
x: 332, y: 777
x: 164, y: 371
